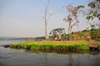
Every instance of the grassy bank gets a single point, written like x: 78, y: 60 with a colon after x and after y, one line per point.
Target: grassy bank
x: 66, y: 45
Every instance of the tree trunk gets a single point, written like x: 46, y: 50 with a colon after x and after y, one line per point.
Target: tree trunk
x: 70, y: 34
x: 45, y: 30
x: 45, y: 25
x: 46, y: 8
x: 69, y: 31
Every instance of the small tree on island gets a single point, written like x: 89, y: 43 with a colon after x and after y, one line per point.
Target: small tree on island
x: 72, y: 17
x: 58, y: 31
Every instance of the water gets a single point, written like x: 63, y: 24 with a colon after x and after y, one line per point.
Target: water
x: 20, y: 57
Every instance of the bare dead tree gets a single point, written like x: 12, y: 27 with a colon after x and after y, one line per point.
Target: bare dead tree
x: 72, y: 17
x: 46, y: 16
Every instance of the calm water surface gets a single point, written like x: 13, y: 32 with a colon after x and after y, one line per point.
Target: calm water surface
x: 21, y: 57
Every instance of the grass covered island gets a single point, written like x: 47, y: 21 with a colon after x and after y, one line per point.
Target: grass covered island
x: 56, y: 45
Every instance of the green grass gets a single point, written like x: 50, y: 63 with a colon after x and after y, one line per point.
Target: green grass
x: 77, y: 44
x: 35, y: 46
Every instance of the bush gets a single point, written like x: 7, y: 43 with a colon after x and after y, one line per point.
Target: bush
x: 98, y: 36
x: 95, y: 33
x: 64, y: 35
x: 72, y: 36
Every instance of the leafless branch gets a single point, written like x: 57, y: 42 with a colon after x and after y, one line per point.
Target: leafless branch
x: 46, y: 18
x: 72, y: 16
x: 50, y: 7
x: 42, y: 4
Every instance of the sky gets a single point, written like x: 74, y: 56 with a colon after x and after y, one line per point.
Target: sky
x: 24, y: 18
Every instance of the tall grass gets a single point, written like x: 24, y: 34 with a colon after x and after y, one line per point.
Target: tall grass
x: 73, y: 45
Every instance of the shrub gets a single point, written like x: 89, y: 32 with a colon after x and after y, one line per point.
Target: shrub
x: 64, y: 35
x: 95, y: 33
x: 98, y: 36
x: 72, y: 36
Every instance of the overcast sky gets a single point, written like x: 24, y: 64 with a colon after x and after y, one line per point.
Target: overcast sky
x: 24, y: 18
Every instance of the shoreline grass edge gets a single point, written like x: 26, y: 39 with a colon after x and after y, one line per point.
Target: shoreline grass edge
x: 56, y: 45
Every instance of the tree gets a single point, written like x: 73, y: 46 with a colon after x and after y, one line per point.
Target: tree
x: 93, y: 27
x: 94, y: 11
x: 46, y: 16
x: 58, y: 31
x: 72, y: 17
x: 95, y: 33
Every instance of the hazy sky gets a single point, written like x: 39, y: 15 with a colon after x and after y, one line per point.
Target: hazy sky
x: 24, y: 18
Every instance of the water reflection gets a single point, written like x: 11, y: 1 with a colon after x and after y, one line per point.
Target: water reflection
x: 56, y: 51
x: 74, y: 58
x: 69, y: 53
x: 94, y: 52
x: 23, y: 57
x: 70, y: 60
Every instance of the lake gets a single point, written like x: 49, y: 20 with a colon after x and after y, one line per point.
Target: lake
x: 22, y: 57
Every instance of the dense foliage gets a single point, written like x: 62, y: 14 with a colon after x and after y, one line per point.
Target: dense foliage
x: 57, y: 31
x: 95, y: 33
x: 95, y: 10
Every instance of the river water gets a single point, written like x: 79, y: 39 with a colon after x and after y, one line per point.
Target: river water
x: 22, y: 57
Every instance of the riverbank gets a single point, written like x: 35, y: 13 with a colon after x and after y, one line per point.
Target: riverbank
x: 57, y: 45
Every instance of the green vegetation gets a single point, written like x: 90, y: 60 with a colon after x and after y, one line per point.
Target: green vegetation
x: 51, y: 38
x: 95, y: 33
x: 85, y: 36
x: 39, y: 38
x: 58, y: 31
x: 57, y: 45
x: 95, y: 10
